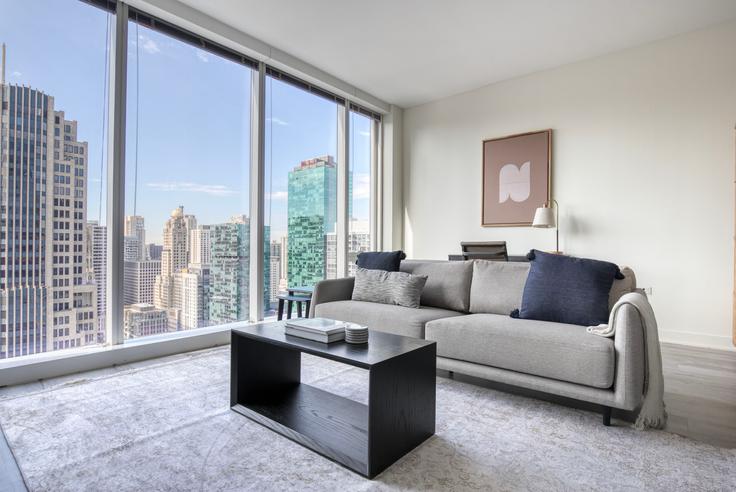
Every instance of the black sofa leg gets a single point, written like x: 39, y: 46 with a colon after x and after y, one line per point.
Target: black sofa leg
x: 607, y: 416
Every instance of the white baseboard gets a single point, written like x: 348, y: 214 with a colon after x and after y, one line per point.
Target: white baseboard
x: 697, y: 340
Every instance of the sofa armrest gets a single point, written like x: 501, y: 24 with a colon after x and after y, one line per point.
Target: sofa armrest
x: 628, y: 384
x: 339, y: 289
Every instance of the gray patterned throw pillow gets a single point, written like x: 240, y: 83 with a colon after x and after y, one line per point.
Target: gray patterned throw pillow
x: 397, y: 288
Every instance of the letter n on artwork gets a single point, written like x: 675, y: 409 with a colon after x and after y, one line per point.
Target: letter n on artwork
x: 516, y: 178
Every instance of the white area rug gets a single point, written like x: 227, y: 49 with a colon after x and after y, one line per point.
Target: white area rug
x: 167, y: 426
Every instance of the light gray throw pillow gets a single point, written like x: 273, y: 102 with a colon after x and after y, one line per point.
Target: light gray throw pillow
x: 397, y: 288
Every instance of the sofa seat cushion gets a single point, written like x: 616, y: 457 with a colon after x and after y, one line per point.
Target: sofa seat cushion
x: 552, y: 350
x: 399, y: 320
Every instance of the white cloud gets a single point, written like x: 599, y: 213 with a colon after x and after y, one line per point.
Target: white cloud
x: 16, y: 74
x: 181, y: 186
x: 149, y: 45
x: 278, y: 121
x: 365, y: 133
x: 203, y: 56
x: 361, y: 186
x: 278, y: 195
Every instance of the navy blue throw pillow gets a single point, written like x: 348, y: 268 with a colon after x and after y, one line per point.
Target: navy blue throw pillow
x: 388, y: 261
x: 565, y: 289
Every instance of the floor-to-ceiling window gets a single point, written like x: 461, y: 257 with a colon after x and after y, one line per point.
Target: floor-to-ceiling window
x: 52, y: 157
x: 300, y: 202
x: 187, y: 223
x: 189, y: 118
x: 360, y: 202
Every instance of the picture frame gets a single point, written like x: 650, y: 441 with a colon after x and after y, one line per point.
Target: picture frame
x: 517, y: 178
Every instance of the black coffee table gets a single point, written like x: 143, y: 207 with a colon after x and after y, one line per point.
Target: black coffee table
x: 265, y: 386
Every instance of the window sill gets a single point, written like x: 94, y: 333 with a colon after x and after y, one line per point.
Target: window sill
x: 69, y: 361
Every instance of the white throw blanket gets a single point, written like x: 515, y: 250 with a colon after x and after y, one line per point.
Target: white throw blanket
x: 652, y: 413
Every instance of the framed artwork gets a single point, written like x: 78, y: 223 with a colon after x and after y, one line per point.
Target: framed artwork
x: 517, y: 171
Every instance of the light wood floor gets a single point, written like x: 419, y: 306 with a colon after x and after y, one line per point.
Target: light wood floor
x: 700, y: 393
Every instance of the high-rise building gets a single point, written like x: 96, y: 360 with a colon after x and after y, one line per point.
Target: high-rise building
x: 284, y: 267
x: 144, y: 319
x: 229, y: 244
x: 73, y: 302
x: 199, y: 245
x: 190, y: 224
x: 96, y: 253
x: 188, y: 300
x: 132, y: 250
x: 47, y: 300
x: 153, y: 251
x: 26, y: 158
x: 140, y: 277
x: 173, y: 258
x: 312, y: 210
x: 135, y: 227
x: 330, y: 255
x: 274, y: 276
x: 359, y: 240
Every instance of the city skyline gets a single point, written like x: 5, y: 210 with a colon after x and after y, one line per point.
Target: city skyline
x: 182, y: 270
x: 299, y: 125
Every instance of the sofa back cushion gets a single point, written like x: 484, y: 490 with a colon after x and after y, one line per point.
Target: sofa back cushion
x: 448, y: 282
x: 497, y: 286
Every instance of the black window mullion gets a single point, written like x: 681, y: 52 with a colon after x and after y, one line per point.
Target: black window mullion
x: 317, y: 91
x: 188, y: 37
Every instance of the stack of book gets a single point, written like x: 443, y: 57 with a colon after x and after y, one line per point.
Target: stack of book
x: 318, y: 329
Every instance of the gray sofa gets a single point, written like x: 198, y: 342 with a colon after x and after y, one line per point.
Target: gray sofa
x: 465, y: 308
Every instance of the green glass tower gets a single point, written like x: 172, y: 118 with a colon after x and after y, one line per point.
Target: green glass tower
x: 312, y: 213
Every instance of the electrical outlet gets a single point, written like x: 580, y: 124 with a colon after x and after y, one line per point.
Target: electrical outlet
x: 648, y: 291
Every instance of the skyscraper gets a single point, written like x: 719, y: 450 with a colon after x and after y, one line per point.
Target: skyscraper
x: 188, y: 300
x: 229, y: 270
x: 199, y: 245
x: 144, y: 319
x: 190, y: 224
x: 274, y: 276
x: 73, y: 306
x: 132, y: 250
x: 312, y: 210
x: 26, y: 158
x: 173, y: 258
x: 96, y: 251
x: 135, y: 227
x: 153, y: 251
x: 140, y: 278
x: 359, y: 240
x: 45, y: 294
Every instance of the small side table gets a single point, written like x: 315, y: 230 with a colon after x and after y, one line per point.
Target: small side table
x: 290, y: 299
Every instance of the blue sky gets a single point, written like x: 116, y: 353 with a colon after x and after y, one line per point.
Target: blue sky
x: 193, y: 122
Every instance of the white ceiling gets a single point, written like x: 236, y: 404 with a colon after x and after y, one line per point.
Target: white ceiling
x: 408, y: 52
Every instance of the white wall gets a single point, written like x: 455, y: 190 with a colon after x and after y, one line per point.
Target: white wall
x: 643, y: 169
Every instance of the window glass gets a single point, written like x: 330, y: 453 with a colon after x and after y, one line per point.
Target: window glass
x: 52, y: 155
x: 186, y: 243
x: 300, y: 207
x: 360, y: 185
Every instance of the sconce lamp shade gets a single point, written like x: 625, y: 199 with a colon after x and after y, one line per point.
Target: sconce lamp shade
x: 544, y: 217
